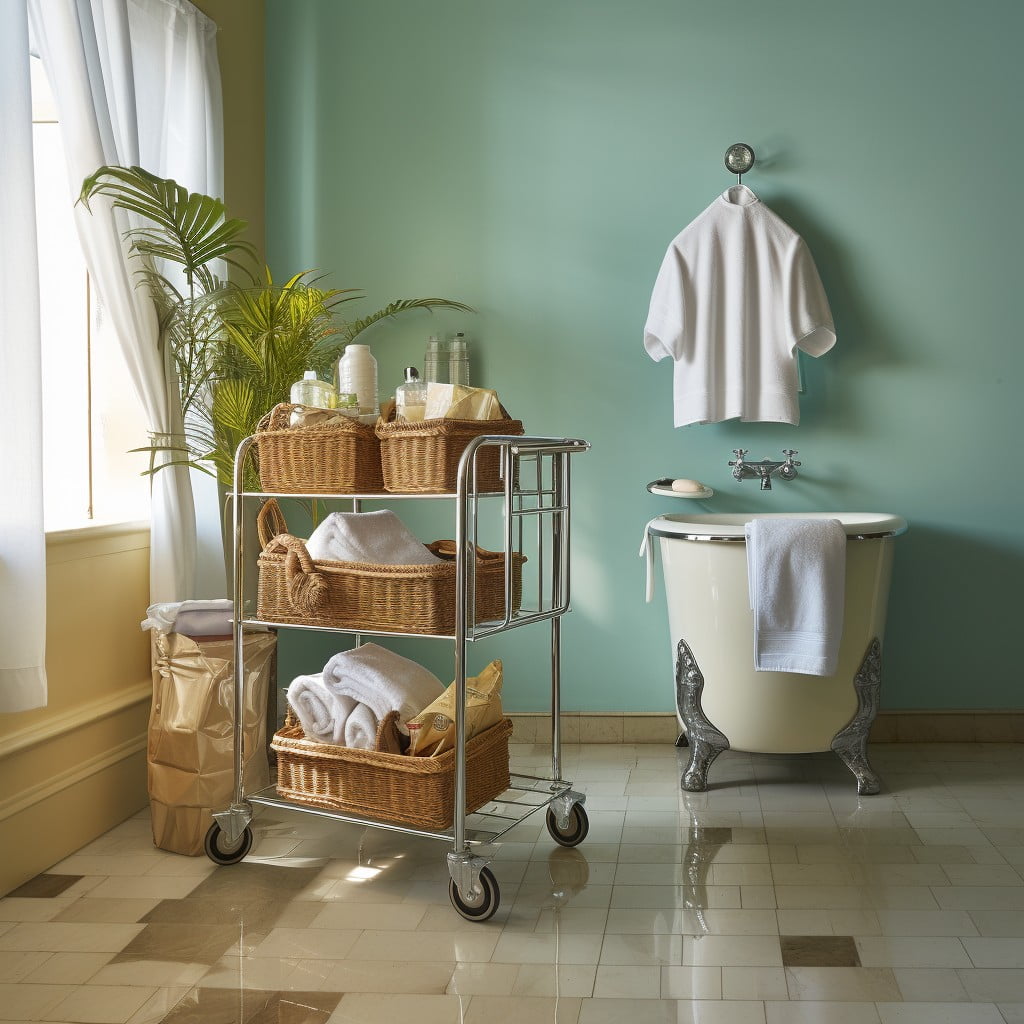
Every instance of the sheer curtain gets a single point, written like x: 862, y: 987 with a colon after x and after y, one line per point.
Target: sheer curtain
x: 136, y: 82
x: 22, y: 543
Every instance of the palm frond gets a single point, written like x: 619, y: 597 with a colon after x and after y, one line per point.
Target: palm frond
x: 352, y: 330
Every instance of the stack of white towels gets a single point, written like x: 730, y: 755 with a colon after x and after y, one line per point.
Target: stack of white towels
x: 377, y: 537
x: 346, y: 703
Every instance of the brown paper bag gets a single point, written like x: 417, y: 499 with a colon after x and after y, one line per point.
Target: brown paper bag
x: 190, y: 754
x: 432, y: 731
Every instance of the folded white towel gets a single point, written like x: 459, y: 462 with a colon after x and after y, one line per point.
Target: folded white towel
x: 193, y: 618
x: 345, y: 703
x: 796, y: 572
x: 378, y: 537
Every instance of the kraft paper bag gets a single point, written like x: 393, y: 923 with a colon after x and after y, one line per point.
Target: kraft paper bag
x: 432, y: 731
x: 190, y: 753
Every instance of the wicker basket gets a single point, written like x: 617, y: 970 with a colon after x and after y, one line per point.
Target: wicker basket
x: 336, y: 458
x: 394, y: 787
x: 419, y: 458
x: 354, y: 595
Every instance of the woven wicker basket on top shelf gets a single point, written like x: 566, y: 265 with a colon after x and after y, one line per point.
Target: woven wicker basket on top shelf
x: 423, y: 458
x: 293, y: 588
x: 417, y: 791
x: 334, y: 458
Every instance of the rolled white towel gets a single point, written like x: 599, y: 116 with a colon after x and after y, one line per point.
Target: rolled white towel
x: 380, y: 538
x: 383, y: 681
x: 321, y: 713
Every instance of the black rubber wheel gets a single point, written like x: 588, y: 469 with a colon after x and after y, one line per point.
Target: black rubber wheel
x: 215, y: 850
x: 579, y: 826
x: 485, y: 904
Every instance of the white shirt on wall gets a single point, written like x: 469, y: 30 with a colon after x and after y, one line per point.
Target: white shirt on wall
x: 737, y: 295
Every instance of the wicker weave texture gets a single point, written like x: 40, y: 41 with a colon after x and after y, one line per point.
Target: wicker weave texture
x: 416, y: 791
x: 419, y: 458
x: 339, y: 458
x: 418, y: 599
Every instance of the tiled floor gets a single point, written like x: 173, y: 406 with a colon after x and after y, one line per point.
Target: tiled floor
x: 779, y: 897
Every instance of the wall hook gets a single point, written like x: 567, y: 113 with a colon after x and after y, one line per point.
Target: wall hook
x: 739, y: 158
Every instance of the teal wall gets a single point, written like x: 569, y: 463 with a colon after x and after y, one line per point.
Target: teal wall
x: 534, y: 158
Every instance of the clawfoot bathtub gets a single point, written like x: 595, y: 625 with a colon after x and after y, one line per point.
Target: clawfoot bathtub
x: 722, y: 702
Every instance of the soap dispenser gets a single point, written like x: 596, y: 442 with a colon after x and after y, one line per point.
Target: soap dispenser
x: 314, y: 392
x: 411, y: 397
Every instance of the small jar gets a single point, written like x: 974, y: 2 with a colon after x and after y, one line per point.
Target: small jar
x: 357, y: 374
x: 411, y: 397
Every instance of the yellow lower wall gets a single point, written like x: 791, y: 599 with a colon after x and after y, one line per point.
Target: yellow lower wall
x: 74, y: 769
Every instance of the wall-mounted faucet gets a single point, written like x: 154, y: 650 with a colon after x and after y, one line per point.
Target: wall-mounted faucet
x: 763, y: 470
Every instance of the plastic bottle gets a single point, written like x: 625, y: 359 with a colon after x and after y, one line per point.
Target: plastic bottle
x: 435, y: 361
x: 458, y: 360
x: 411, y: 397
x: 312, y: 391
x: 357, y: 374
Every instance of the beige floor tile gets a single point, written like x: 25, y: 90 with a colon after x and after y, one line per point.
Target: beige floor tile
x: 365, y: 1008
x: 70, y: 938
x: 16, y: 965
x: 842, y: 984
x: 68, y: 969
x: 522, y: 1009
x: 722, y: 1012
x: 31, y: 1002
x: 635, y: 1011
x: 972, y: 897
x: 924, y: 984
x: 622, y: 982
x: 732, y: 951
x: 995, y: 952
x: 1013, y: 1013
x: 691, y: 983
x: 318, y: 943
x: 981, y: 874
x: 107, y: 911
x: 15, y: 908
x: 754, y: 983
x: 359, y: 916
x: 101, y: 1004
x: 809, y: 1012
x: 641, y: 950
x: 541, y: 948
x: 917, y: 951
x: 939, y: 1013
x: 924, y: 922
x: 157, y: 1007
x: 483, y: 979
x: 574, y: 980
x: 152, y: 973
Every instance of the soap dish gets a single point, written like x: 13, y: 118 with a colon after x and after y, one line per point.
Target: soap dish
x: 664, y: 488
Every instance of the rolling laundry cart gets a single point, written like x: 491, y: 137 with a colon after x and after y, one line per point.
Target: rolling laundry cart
x: 532, y: 513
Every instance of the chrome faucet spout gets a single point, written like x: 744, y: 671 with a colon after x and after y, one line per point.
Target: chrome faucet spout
x: 766, y: 480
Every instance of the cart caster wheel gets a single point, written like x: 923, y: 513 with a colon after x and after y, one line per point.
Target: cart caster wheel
x: 215, y: 850
x: 579, y: 826
x: 486, y: 902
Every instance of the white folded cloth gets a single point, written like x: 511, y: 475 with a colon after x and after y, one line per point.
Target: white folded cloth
x: 378, y: 537
x: 796, y: 571
x: 346, y: 702
x: 193, y: 618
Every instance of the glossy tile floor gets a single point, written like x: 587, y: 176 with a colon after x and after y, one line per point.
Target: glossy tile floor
x: 777, y: 897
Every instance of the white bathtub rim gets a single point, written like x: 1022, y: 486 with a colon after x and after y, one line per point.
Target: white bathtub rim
x: 729, y: 526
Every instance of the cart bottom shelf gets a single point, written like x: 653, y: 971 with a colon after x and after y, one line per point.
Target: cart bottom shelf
x: 525, y: 795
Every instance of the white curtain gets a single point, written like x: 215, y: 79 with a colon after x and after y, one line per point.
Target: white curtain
x: 136, y: 82
x: 22, y: 542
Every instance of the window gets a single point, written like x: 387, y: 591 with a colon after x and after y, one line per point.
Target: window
x: 91, y: 415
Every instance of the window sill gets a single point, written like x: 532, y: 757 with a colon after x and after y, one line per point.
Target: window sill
x: 95, y: 540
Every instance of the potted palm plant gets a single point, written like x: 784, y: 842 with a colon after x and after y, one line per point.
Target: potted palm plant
x: 235, y: 345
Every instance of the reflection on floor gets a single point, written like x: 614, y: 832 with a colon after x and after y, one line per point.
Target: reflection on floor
x: 777, y: 897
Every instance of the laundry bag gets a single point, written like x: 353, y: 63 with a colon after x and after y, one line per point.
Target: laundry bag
x: 190, y: 755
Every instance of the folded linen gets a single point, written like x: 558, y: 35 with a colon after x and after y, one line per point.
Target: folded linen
x: 346, y: 703
x: 380, y: 538
x: 193, y: 618
x: 796, y: 572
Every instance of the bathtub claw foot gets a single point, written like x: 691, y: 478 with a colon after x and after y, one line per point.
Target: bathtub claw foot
x: 706, y: 742
x: 851, y: 742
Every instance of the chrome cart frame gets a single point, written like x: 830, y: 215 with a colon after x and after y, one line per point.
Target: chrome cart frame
x: 542, y: 502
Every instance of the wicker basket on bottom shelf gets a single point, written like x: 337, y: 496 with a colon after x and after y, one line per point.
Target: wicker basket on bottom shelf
x: 417, y: 791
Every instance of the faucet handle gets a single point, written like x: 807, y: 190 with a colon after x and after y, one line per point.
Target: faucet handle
x: 789, y: 453
x: 740, y: 453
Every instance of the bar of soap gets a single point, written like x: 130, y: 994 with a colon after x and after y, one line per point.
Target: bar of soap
x: 687, y: 486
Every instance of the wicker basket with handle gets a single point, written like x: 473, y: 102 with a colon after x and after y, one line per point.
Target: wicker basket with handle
x: 293, y: 588
x: 333, y: 458
x: 394, y: 787
x: 423, y: 457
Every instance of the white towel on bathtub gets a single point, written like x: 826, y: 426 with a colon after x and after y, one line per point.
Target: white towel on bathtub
x: 377, y: 537
x: 796, y: 570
